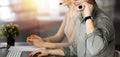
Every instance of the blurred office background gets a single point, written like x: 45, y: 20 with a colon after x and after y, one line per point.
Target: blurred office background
x: 44, y: 17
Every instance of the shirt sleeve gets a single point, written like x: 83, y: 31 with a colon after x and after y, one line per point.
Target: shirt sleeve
x: 66, y: 51
x: 98, y: 40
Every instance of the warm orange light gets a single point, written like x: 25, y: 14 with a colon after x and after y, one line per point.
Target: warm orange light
x: 29, y: 4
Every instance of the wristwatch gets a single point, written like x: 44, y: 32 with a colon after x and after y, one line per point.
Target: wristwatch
x: 88, y: 17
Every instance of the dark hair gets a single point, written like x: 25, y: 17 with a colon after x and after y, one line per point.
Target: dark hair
x: 91, y: 1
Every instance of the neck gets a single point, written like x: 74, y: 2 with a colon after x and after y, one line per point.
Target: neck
x: 71, y: 9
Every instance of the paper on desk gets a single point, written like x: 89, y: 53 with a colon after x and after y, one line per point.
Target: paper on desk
x: 24, y: 48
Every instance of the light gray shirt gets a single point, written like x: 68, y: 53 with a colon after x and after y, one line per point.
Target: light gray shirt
x: 99, y: 43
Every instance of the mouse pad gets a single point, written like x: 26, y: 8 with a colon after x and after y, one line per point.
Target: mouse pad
x: 25, y: 54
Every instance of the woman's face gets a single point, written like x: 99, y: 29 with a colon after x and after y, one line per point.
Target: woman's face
x: 77, y: 2
x: 65, y: 2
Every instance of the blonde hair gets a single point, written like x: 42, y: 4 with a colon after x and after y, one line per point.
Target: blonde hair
x: 66, y: 2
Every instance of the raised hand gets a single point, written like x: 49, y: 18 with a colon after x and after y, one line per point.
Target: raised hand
x: 35, y: 40
x: 86, y: 9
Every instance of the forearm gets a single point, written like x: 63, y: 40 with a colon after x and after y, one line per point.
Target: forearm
x: 56, y: 52
x: 89, y: 26
x: 61, y: 44
x: 49, y: 39
x: 52, y: 39
x: 56, y: 45
x: 58, y: 36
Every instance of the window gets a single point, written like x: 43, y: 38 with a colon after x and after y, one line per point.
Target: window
x: 5, y: 11
x: 12, y: 10
x: 50, y: 9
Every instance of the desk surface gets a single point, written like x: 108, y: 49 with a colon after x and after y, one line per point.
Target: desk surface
x: 4, y: 51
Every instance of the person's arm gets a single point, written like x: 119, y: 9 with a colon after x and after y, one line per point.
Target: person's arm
x: 52, y: 42
x: 101, y: 36
x: 59, y: 45
x: 65, y: 51
x: 87, y: 11
x: 56, y: 52
x: 89, y: 26
x: 47, y: 52
x: 99, y: 31
x: 59, y: 35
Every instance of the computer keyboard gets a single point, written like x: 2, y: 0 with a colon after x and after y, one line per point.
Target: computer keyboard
x: 24, y: 48
x: 14, y: 54
x: 16, y: 51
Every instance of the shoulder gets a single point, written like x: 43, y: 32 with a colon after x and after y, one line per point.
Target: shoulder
x: 103, y: 21
x: 102, y: 18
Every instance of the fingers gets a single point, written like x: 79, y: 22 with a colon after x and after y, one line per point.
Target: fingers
x: 44, y: 53
x: 32, y: 39
x: 40, y: 55
x: 34, y: 53
x: 87, y: 5
x: 29, y: 41
x: 37, y: 37
x: 88, y: 9
x: 37, y: 53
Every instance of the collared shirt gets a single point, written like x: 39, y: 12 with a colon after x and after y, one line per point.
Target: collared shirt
x: 99, y: 43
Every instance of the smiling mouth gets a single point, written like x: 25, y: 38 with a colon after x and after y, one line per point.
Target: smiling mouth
x: 76, y: 4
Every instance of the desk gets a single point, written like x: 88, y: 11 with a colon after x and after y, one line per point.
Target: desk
x: 4, y: 51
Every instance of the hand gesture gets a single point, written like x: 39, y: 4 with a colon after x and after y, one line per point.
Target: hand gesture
x: 35, y: 40
x: 86, y: 9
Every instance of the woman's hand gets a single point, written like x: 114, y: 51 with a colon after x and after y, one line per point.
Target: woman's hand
x: 35, y: 40
x: 47, y: 52
x: 38, y: 53
x: 39, y: 42
x: 86, y: 9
